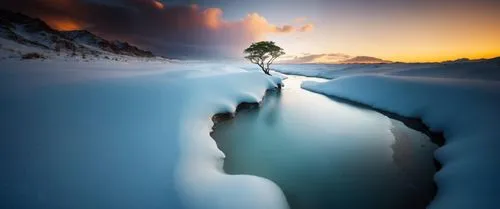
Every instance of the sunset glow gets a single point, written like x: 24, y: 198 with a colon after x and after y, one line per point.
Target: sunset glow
x: 64, y: 24
x: 158, y: 4
x: 213, y: 17
x: 408, y: 32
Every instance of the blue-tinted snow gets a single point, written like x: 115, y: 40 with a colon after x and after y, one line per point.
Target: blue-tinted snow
x: 122, y: 135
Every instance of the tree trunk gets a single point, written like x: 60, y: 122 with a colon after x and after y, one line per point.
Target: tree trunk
x: 266, y: 71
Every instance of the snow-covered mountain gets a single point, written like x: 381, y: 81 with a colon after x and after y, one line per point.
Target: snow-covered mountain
x: 87, y: 38
x: 34, y: 33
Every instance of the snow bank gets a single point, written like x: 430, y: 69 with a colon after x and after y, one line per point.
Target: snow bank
x: 466, y: 110
x: 122, y: 135
x: 200, y: 174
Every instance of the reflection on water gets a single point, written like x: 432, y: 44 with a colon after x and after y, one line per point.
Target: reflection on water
x: 326, y: 154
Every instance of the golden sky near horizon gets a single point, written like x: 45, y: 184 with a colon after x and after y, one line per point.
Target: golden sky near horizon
x: 444, y: 32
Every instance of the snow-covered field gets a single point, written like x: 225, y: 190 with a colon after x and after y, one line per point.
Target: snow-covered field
x: 460, y: 99
x: 135, y: 133
x: 107, y: 134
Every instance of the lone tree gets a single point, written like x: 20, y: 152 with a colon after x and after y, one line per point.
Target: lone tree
x: 263, y: 54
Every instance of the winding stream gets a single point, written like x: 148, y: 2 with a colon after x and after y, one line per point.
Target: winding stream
x: 327, y: 154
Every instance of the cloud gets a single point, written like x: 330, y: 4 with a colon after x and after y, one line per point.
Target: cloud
x: 213, y: 18
x: 285, y: 29
x: 158, y: 4
x: 306, y: 28
x: 259, y: 26
x: 172, y: 30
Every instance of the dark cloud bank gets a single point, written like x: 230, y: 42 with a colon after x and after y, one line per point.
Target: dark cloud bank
x: 180, y: 31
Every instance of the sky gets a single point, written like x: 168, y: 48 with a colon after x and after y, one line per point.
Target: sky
x: 396, y: 30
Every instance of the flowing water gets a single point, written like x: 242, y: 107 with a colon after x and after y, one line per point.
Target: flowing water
x: 327, y: 154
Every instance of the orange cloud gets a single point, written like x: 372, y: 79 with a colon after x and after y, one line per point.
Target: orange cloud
x: 307, y: 27
x: 259, y: 25
x: 63, y: 24
x: 212, y: 18
x: 158, y: 5
x: 285, y: 29
x: 253, y: 26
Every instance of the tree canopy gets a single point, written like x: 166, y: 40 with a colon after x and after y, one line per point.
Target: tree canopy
x: 263, y: 54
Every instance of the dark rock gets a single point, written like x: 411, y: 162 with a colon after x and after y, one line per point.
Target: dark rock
x: 33, y: 55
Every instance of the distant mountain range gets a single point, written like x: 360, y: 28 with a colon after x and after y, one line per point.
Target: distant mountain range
x: 364, y: 59
x: 467, y: 60
x: 333, y: 59
x: 34, y: 32
x: 346, y: 59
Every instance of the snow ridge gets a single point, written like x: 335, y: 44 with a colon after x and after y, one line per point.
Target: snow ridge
x: 200, y: 177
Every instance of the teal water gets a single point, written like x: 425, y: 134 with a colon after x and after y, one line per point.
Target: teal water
x: 327, y: 154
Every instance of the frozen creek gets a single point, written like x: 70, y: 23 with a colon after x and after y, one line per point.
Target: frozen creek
x: 327, y: 154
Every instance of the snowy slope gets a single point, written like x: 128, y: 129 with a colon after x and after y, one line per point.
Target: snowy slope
x: 97, y: 43
x: 122, y: 135
x: 36, y: 35
x: 466, y: 110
